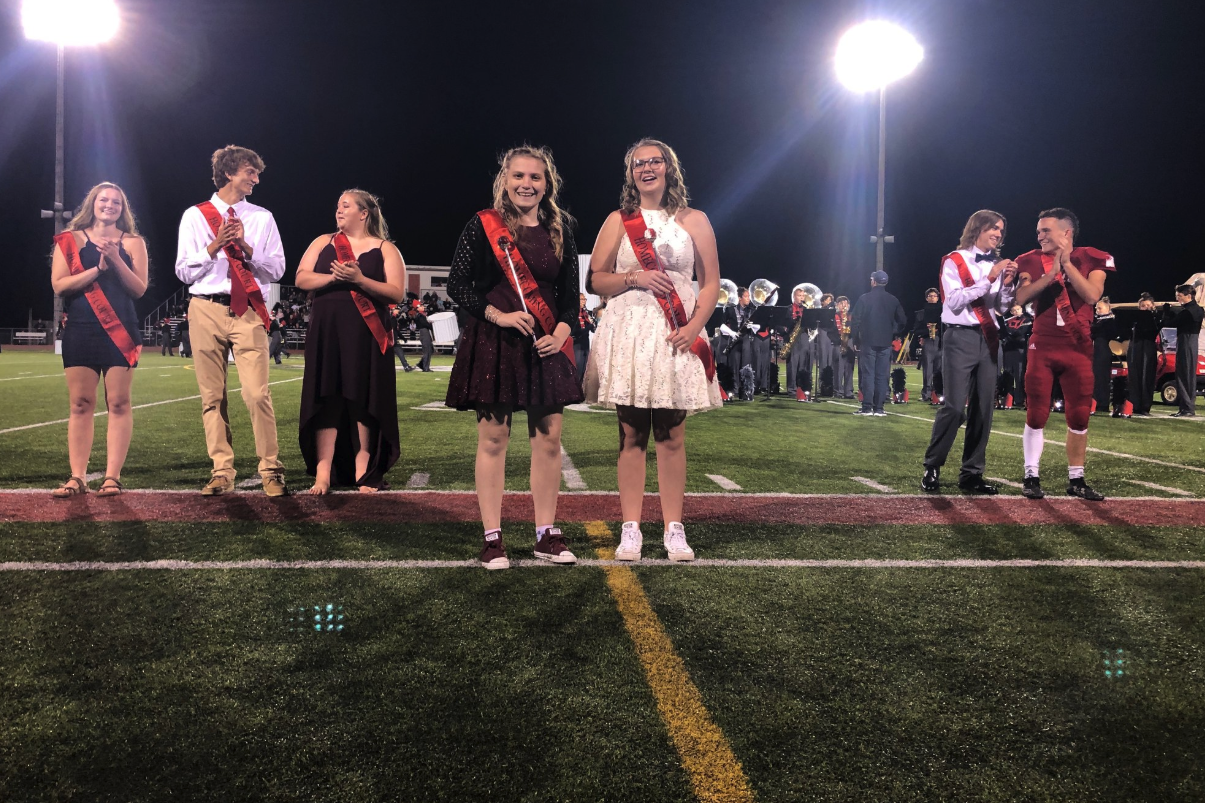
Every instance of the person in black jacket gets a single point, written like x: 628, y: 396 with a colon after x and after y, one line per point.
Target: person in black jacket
x: 877, y: 318
x: 1188, y: 332
x: 1104, y: 332
x: 1014, y: 342
x: 586, y: 324
x: 426, y: 337
x: 165, y: 338
x: 928, y: 332
x: 1143, y: 358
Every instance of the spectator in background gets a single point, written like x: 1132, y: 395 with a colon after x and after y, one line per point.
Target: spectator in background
x: 185, y: 338
x: 1104, y: 331
x: 877, y: 318
x: 276, y: 336
x: 425, y: 337
x: 165, y: 338
x: 1188, y: 331
x: 1143, y: 357
x: 401, y: 331
x: 586, y: 325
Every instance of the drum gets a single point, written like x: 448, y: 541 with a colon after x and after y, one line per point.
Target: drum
x: 443, y: 326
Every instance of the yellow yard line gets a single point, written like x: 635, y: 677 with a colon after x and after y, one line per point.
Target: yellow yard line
x: 715, y: 773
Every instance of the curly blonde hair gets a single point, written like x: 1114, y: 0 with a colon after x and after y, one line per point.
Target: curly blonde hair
x: 375, y: 225
x: 86, y: 215
x: 550, y: 213
x: 676, y: 196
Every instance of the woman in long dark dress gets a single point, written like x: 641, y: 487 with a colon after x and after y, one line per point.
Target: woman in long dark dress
x: 508, y: 359
x: 348, y: 425
x: 104, y: 271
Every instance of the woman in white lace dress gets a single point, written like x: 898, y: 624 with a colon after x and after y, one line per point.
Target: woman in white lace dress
x: 653, y: 373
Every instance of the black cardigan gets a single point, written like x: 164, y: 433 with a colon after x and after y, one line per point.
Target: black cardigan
x: 475, y: 271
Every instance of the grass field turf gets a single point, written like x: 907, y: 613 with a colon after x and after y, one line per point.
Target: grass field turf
x: 455, y: 684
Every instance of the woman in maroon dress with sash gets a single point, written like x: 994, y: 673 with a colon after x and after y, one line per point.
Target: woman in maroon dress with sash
x: 99, y: 267
x: 515, y: 352
x: 349, y: 432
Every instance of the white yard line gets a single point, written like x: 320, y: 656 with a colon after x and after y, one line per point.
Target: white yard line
x: 1152, y: 460
x: 1003, y: 481
x: 418, y: 480
x: 436, y: 406
x: 135, y: 407
x: 93, y: 476
x: 1154, y: 487
x: 573, y: 480
x: 251, y: 482
x: 723, y: 482
x: 39, y: 376
x: 883, y: 489
x: 718, y: 563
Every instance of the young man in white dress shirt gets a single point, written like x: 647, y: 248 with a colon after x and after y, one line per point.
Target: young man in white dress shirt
x: 228, y: 314
x: 975, y: 285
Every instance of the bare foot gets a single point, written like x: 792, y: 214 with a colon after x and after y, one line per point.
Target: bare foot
x: 368, y: 489
x: 319, y: 489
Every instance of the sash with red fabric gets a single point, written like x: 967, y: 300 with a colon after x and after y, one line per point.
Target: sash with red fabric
x: 642, y: 238
x: 518, y: 275
x: 368, y: 310
x: 1036, y: 264
x: 987, y: 323
x: 243, y: 289
x: 1062, y: 301
x: 99, y: 302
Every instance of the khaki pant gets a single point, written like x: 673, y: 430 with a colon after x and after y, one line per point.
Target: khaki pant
x: 214, y: 329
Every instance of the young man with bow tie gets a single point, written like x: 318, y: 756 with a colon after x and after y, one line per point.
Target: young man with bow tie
x: 975, y: 285
x: 229, y: 252
x: 1064, y: 281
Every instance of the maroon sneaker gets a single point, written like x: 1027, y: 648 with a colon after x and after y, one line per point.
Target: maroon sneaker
x: 552, y: 547
x: 493, y: 554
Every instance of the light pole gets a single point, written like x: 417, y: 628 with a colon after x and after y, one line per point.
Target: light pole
x: 66, y: 23
x: 870, y: 56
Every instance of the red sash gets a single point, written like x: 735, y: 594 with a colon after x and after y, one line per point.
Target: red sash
x: 520, y: 279
x: 100, y: 303
x: 368, y: 310
x: 991, y: 334
x: 671, y: 305
x: 1063, y: 302
x: 238, y: 268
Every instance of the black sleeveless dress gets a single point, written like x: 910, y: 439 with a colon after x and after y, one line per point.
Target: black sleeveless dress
x: 498, y: 365
x: 85, y: 342
x: 343, y: 361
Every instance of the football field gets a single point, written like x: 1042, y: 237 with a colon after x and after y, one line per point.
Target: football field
x: 842, y: 637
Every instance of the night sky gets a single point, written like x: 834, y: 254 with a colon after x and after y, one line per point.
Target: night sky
x: 1018, y: 106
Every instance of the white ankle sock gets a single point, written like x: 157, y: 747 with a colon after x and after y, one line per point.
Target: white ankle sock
x: 1075, y: 472
x: 541, y: 529
x: 497, y: 533
x: 1031, y: 440
x: 631, y: 525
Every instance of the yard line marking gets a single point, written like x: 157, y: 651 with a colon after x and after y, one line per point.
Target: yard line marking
x: 715, y: 773
x: 94, y: 476
x: 723, y: 482
x: 437, y: 405
x: 1061, y: 443
x: 573, y: 480
x: 1176, y: 491
x: 418, y: 480
x: 876, y: 485
x: 605, y: 561
x: 135, y: 407
x: 1009, y: 483
x: 585, y: 408
x: 39, y: 376
x: 251, y: 482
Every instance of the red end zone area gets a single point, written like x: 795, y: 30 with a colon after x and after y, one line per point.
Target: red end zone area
x: 435, y: 507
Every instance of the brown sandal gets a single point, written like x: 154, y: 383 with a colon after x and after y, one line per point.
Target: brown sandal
x: 110, y: 486
x: 74, y: 486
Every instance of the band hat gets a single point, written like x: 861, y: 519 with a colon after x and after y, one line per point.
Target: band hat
x: 879, y: 277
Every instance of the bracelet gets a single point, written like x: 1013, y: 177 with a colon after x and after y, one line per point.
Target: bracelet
x: 491, y: 314
x: 630, y: 279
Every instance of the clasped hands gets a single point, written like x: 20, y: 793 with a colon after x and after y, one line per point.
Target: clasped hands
x: 347, y: 272
x: 231, y: 231
x: 654, y: 281
x: 525, y: 322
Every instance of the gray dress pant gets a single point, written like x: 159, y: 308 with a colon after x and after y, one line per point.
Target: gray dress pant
x: 428, y: 344
x: 1186, y: 372
x: 969, y: 373
x: 799, y: 361
x: 930, y: 365
x: 844, y: 378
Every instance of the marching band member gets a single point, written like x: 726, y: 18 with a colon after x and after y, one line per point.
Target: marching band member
x: 1143, y: 357
x: 843, y: 381
x: 799, y: 359
x: 824, y: 344
x: 1014, y: 338
x: 976, y: 284
x: 928, y: 332
x: 586, y: 324
x: 515, y: 271
x: 1065, y: 281
x: 649, y: 359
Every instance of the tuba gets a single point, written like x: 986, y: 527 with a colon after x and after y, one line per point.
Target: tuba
x: 762, y: 291
x: 811, y: 300
x: 727, y: 293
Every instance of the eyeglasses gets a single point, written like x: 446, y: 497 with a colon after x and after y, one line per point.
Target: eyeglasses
x: 653, y: 161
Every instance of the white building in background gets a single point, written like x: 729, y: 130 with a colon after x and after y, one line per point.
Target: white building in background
x: 422, y: 279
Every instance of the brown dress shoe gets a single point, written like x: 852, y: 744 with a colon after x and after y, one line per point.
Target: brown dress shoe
x: 274, y: 485
x: 218, y: 484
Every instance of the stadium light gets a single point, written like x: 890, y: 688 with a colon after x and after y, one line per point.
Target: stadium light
x: 66, y: 23
x: 870, y: 56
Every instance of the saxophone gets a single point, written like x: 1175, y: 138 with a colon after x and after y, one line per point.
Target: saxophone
x: 843, y: 329
x: 786, y: 350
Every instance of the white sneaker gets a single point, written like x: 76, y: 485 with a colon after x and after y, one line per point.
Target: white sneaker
x: 675, y: 543
x: 630, y: 542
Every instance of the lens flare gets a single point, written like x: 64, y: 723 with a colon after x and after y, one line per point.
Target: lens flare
x: 873, y: 54
x: 70, y: 22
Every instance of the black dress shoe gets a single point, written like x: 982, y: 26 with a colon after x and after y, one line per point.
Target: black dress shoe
x: 931, y: 482
x: 1031, y: 488
x: 976, y: 485
x: 1078, y: 487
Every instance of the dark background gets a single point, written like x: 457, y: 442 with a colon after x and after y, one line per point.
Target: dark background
x: 1018, y: 106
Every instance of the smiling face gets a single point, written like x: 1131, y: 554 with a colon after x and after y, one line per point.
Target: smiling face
x: 1050, y: 232
x: 648, y: 171
x: 108, y: 206
x: 244, y: 180
x: 989, y: 238
x: 348, y: 212
x: 526, y: 183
